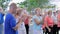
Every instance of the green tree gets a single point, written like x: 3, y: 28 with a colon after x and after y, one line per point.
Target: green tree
x: 1, y: 3
x: 31, y: 4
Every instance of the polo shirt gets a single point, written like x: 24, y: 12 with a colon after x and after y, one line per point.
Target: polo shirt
x: 10, y: 22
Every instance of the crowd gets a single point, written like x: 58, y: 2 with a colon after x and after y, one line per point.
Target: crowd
x: 18, y: 20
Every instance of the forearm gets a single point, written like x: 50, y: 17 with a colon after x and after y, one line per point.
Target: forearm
x: 47, y: 26
x: 17, y: 26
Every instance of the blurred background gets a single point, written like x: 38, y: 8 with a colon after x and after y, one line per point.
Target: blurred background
x: 31, y: 4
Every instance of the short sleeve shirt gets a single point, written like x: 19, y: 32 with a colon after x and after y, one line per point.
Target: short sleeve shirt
x: 10, y: 22
x: 48, y: 20
x: 35, y: 26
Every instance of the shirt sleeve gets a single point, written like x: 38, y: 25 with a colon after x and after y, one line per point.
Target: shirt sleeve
x: 34, y: 17
x: 13, y: 23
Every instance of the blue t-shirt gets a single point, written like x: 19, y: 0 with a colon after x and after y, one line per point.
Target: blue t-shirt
x: 35, y: 26
x: 10, y: 22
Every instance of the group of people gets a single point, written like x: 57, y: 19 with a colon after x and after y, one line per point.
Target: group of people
x: 17, y: 21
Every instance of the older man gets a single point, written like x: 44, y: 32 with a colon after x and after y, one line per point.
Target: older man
x: 11, y: 26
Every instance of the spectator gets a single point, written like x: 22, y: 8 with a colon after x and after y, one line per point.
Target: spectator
x: 48, y: 21
x: 21, y: 29
x: 26, y: 20
x: 55, y: 22
x: 10, y: 22
x: 37, y: 22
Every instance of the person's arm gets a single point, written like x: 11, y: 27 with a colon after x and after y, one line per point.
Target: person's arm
x: 45, y: 22
x: 37, y: 21
x: 14, y: 25
x: 17, y: 26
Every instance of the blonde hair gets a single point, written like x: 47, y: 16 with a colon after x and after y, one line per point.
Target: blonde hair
x: 19, y: 10
x: 36, y: 9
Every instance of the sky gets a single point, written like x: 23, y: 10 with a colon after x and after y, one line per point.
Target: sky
x: 56, y: 2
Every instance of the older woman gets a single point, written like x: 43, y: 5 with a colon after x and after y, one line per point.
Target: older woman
x: 37, y: 22
x: 48, y: 21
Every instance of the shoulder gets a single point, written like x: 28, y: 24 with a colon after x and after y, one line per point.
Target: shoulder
x: 8, y: 15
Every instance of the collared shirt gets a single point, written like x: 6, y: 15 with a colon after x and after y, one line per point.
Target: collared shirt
x: 10, y: 22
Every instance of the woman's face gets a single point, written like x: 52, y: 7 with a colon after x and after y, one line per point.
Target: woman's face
x: 38, y: 12
x: 50, y: 13
x: 18, y: 11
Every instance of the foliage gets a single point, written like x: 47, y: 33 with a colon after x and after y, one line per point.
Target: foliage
x: 34, y: 3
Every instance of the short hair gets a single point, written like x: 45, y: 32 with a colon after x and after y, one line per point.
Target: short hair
x: 13, y: 5
x: 49, y: 11
x: 36, y: 9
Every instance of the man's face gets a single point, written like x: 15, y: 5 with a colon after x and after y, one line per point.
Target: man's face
x: 13, y: 9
